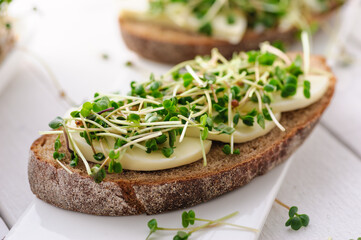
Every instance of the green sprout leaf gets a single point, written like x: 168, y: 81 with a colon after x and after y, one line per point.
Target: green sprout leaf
x: 97, y: 173
x: 86, y: 109
x: 113, y: 155
x: 167, y: 152
x: 151, y: 145
x: 56, y: 123
x: 185, y: 220
x: 153, y: 225
x: 290, y: 87
x: 74, y: 160
x: 118, y: 168
x: 172, y: 137
x: 206, y: 29
x: 204, y: 133
x: 134, y: 118
x: 99, y: 156
x: 296, y: 221
x: 260, y: 120
x: 307, y: 89
x: 226, y: 149
x: 161, y: 139
x: 293, y: 210
x: 57, y: 144
x: 225, y: 129
x: 181, y: 235
x: 304, y: 219
x: 187, y: 79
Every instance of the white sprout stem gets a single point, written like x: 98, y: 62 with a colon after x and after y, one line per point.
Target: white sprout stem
x: 121, y: 137
x: 259, y: 100
x: 52, y: 132
x: 175, y: 90
x: 102, y: 147
x: 195, y: 76
x: 140, y: 106
x: 274, y: 119
x: 87, y: 133
x: 250, y: 94
x: 104, y: 163
x: 256, y: 71
x: 188, y: 120
x: 154, y: 135
x: 145, y: 111
x: 225, y: 77
x: 77, y: 129
x: 123, y: 107
x: 252, y: 83
x: 63, y: 166
x: 203, y: 150
x: 177, y: 67
x: 194, y: 94
x: 158, y: 127
x: 77, y: 150
x: 306, y: 52
x: 201, y: 112
x: 219, y: 56
x: 131, y: 97
x: 213, y: 10
x: 230, y: 120
x: 111, y: 124
x: 189, y: 91
x: 89, y: 121
x: 185, y: 128
x: 209, y: 103
x: 198, y: 100
x: 246, y: 96
x: 140, y: 135
x: 145, y: 124
x: 266, y: 47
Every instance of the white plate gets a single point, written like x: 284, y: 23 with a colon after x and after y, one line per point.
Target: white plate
x: 253, y: 202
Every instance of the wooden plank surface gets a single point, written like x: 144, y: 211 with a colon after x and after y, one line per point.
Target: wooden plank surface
x: 324, y: 182
x: 3, y: 229
x: 26, y: 106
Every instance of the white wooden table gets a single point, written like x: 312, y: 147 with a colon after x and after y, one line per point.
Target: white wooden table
x: 324, y: 180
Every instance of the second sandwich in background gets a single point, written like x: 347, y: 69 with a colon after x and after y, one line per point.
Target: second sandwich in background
x: 174, y: 31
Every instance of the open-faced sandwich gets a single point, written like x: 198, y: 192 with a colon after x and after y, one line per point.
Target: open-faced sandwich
x: 175, y: 31
x: 206, y: 127
x: 6, y: 35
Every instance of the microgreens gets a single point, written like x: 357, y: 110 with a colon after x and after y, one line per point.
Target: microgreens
x: 56, y: 123
x: 295, y: 221
x: 307, y: 89
x: 57, y: 146
x: 98, y: 173
x: 128, y: 63
x: 189, y: 219
x: 206, y: 94
x: 264, y: 13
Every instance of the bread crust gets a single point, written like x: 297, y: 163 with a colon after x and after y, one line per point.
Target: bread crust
x: 170, y: 45
x: 134, y: 192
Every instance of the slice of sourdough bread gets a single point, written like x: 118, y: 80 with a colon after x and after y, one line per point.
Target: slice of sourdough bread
x: 171, y: 45
x: 135, y: 192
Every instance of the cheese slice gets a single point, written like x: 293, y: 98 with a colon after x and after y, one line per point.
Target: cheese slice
x: 179, y: 16
x: 242, y: 134
x: 319, y: 85
x: 186, y: 152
